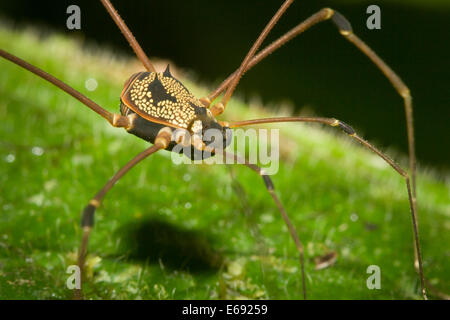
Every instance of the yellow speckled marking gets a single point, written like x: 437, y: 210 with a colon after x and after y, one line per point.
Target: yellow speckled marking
x: 172, y: 104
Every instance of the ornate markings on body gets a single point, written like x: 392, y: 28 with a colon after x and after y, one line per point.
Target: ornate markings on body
x: 162, y: 97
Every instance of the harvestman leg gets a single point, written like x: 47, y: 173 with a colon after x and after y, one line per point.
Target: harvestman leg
x: 270, y: 188
x: 116, y: 120
x: 129, y: 36
x: 87, y: 220
x: 251, y: 60
x: 345, y: 30
x: 349, y: 130
x: 161, y: 142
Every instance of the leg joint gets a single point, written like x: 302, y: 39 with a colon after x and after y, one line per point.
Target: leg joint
x: 87, y: 219
x: 328, y: 13
x: 217, y: 109
x: 405, y: 93
x: 344, y: 127
x: 164, y: 137
x: 206, y: 101
x: 268, y: 182
x: 344, y: 26
x: 120, y: 121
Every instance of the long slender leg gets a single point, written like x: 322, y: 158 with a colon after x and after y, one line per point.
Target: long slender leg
x: 218, y: 108
x: 129, y: 36
x: 351, y: 132
x: 87, y: 220
x: 114, y: 119
x: 345, y: 30
x: 322, y: 15
x: 270, y: 188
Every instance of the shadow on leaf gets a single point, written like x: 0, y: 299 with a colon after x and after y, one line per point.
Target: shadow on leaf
x: 177, y: 248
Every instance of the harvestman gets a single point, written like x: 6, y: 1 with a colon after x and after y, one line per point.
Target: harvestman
x: 154, y: 105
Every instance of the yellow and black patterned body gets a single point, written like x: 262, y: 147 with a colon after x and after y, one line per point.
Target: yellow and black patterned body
x: 159, y: 100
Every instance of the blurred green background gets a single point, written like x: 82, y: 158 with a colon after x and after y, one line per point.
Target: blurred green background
x: 202, y: 232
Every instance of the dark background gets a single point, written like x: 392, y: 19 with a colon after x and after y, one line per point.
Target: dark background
x: 319, y: 69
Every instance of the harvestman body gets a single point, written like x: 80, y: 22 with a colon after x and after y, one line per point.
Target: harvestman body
x: 152, y: 101
x: 156, y: 105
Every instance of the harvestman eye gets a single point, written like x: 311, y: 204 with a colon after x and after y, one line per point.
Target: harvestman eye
x: 154, y: 105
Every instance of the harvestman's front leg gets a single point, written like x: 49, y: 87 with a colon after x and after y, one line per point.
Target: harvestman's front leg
x: 87, y: 221
x: 345, y: 30
x: 351, y: 132
x: 270, y: 188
